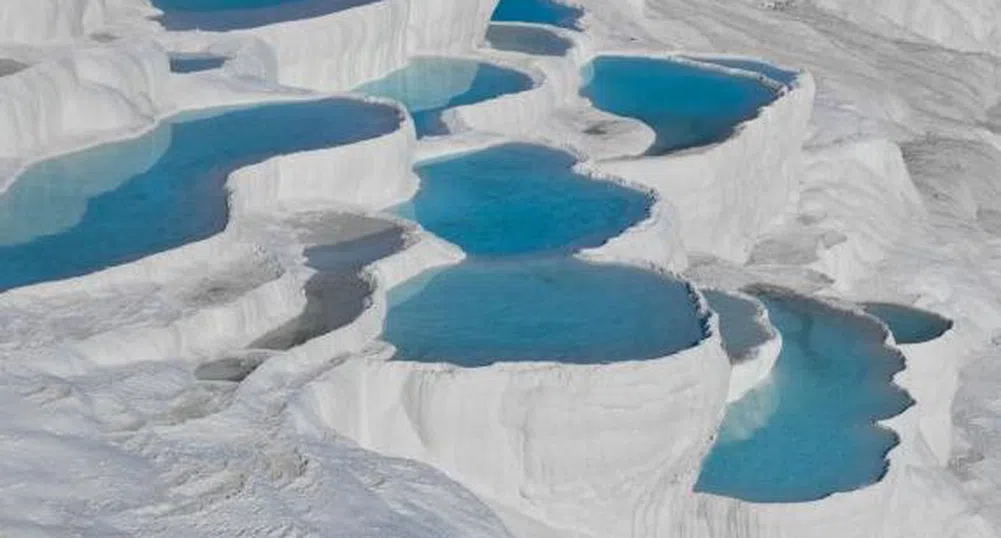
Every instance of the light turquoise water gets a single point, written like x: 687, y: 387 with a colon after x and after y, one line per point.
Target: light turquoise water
x: 223, y: 15
x: 539, y: 11
x: 809, y: 430
x: 429, y: 86
x: 118, y: 202
x: 686, y: 106
x: 552, y: 309
x: 909, y: 325
x: 518, y: 199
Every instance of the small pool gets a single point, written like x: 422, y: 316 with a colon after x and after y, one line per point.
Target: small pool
x: 222, y: 15
x: 909, y: 325
x: 809, y: 430
x: 738, y: 324
x: 429, y: 86
x: 550, y: 309
x: 775, y: 73
x: 184, y: 63
x: 527, y: 40
x: 540, y: 11
x: 118, y: 202
x: 685, y: 105
x: 518, y: 199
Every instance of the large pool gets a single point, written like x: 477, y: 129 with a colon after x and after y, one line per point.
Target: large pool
x: 221, y: 15
x: 685, y: 105
x: 118, y: 202
x: 909, y: 325
x: 550, y: 309
x: 520, y: 198
x: 809, y: 430
x: 430, y: 85
x: 539, y: 11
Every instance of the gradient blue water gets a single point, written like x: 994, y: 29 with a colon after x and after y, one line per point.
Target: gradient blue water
x: 686, y: 106
x: 909, y: 325
x: 428, y: 86
x: 549, y: 309
x: 773, y: 72
x: 193, y: 64
x: 527, y: 40
x: 738, y: 323
x: 538, y: 11
x: 520, y: 198
x: 121, y: 201
x: 809, y: 430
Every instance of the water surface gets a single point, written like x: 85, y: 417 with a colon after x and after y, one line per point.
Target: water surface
x: 550, y: 309
x: 740, y: 328
x: 520, y: 198
x: 120, y: 201
x: 527, y: 40
x: 183, y: 63
x: 809, y: 429
x: 685, y: 105
x: 222, y: 15
x: 429, y: 86
x: 539, y: 11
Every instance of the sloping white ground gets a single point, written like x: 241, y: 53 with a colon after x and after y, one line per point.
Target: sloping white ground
x: 890, y: 197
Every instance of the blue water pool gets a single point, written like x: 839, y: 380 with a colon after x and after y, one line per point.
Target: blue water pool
x: 428, y: 86
x: 182, y: 63
x: 809, y: 430
x: 552, y: 309
x: 773, y: 72
x: 520, y: 198
x: 527, y: 40
x: 221, y: 15
x: 121, y: 201
x: 540, y: 11
x: 686, y: 106
x: 909, y: 325
x: 738, y: 323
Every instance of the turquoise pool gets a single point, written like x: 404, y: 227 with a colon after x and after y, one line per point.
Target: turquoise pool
x: 685, y: 105
x: 909, y: 325
x: 519, y: 199
x: 809, y: 430
x: 539, y: 11
x: 429, y: 86
x: 120, y: 201
x: 549, y: 309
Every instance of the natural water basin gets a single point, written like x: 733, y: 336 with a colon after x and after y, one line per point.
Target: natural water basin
x: 428, y: 86
x: 527, y: 40
x: 185, y: 63
x: 909, y: 325
x: 120, y: 201
x: 685, y: 105
x: 520, y: 198
x: 540, y: 11
x: 549, y: 309
x: 810, y: 430
x: 223, y: 15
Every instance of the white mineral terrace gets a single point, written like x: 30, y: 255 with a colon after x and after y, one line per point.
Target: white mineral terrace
x: 234, y: 378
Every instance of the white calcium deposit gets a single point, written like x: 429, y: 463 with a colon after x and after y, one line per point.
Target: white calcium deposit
x: 872, y: 177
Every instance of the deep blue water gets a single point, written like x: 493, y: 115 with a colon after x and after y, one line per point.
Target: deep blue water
x: 428, y: 86
x: 539, y: 11
x: 118, y: 202
x: 222, y: 15
x: 686, y: 106
x: 549, y: 309
x: 518, y: 199
x: 527, y: 40
x: 192, y: 64
x: 739, y: 327
x: 775, y: 73
x: 809, y: 430
x: 909, y: 325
